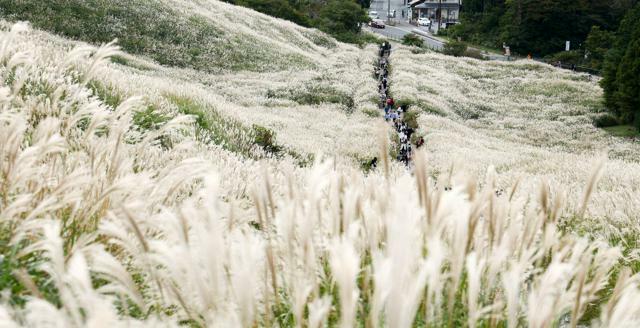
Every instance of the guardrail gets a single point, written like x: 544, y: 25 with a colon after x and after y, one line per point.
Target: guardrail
x: 428, y: 36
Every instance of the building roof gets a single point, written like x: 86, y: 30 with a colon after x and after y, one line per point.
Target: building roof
x: 415, y: 2
x: 436, y: 5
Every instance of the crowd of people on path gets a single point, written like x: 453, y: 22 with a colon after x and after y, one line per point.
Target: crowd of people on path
x: 393, y: 114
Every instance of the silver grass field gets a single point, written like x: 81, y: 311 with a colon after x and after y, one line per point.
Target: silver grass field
x: 519, y: 213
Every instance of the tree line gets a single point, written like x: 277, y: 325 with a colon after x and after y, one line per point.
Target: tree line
x: 603, y: 35
x: 340, y: 18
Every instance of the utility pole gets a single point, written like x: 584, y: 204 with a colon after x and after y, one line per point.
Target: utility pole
x: 389, y: 11
x: 439, y: 15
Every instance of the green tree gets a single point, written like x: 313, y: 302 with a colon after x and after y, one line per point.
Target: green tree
x: 455, y: 48
x: 597, y: 44
x: 622, y: 69
x: 480, y: 21
x: 628, y: 91
x: 542, y: 26
x: 342, y: 18
x: 364, y: 3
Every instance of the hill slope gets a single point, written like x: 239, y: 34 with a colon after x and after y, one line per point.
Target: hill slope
x: 209, y: 36
x: 226, y: 58
x: 529, y: 122
x: 139, y: 194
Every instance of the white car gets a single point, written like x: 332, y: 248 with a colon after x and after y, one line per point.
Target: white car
x: 374, y: 15
x: 423, y: 21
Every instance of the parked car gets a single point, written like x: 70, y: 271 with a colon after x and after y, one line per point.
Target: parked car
x: 377, y: 23
x: 374, y: 15
x: 423, y: 21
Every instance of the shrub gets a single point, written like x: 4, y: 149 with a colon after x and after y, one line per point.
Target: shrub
x: 149, y: 119
x: 455, y: 48
x: 266, y: 139
x: 106, y: 93
x: 474, y: 53
x: 365, y: 38
x: 605, y: 119
x: 412, y: 40
x: 411, y: 118
x: 405, y: 102
x: 567, y: 57
x: 315, y: 93
x: 444, y: 32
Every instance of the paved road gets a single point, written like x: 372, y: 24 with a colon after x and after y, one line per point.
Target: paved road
x: 381, y: 7
x: 402, y: 26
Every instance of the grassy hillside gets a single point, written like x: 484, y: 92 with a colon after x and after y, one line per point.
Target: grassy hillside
x: 136, y: 192
x: 231, y: 61
x: 207, y: 35
x: 526, y: 121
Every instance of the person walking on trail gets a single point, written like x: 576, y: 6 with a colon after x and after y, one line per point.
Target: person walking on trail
x: 390, y: 102
x: 403, y: 137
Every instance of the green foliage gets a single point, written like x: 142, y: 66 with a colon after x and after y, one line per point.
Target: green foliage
x: 149, y: 119
x: 480, y: 22
x: 405, y: 102
x: 367, y: 164
x: 213, y: 127
x: 539, y: 28
x: 10, y: 266
x: 621, y: 70
x: 367, y: 38
x: 534, y: 26
x: 411, y: 118
x: 605, y: 120
x: 121, y: 60
x: 473, y: 53
x: 597, y: 44
x: 364, y: 3
x: 421, y: 105
x: 232, y: 135
x: 106, y: 93
x: 567, y: 57
x: 315, y: 93
x: 412, y: 40
x: 342, y: 19
x: 626, y: 131
x: 455, y: 48
x: 266, y: 139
